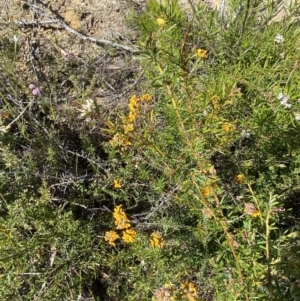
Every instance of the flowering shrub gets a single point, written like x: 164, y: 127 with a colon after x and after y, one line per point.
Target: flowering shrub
x: 203, y: 166
x: 229, y: 111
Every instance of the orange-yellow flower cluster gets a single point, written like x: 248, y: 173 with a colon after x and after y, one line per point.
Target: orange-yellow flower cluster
x: 111, y: 237
x: 160, y: 22
x: 202, y: 53
x: 156, y: 240
x: 209, y: 189
x: 119, y: 140
x: 239, y: 178
x: 134, y: 105
x: 129, y: 235
x: 146, y: 98
x: 190, y: 292
x: 134, y: 108
x: 121, y: 220
x: 117, y: 184
x: 128, y: 128
x: 227, y: 127
x: 122, y: 223
x: 205, y: 191
x: 167, y: 292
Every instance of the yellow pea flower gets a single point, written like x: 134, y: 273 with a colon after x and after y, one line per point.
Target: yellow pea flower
x: 239, y: 178
x: 110, y: 237
x: 156, y: 240
x: 256, y: 214
x: 202, y: 53
x: 122, y: 223
x: 129, y: 235
x: 160, y: 22
x: 205, y: 191
x: 190, y: 291
x: 133, y: 103
x: 227, y: 127
x: 117, y: 184
x: 145, y: 98
x: 121, y: 220
x: 128, y: 128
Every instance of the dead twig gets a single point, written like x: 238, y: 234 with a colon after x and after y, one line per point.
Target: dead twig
x: 35, y: 22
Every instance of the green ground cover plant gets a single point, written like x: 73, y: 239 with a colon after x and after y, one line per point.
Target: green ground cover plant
x: 188, y: 191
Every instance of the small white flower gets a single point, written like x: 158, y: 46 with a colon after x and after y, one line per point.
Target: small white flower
x: 245, y: 134
x: 279, y: 39
x: 285, y: 104
x: 280, y: 96
x: 297, y: 116
x: 284, y: 100
x: 3, y: 129
x: 88, y: 107
x: 283, y: 97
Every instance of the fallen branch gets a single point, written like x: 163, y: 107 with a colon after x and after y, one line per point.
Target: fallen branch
x: 36, y: 22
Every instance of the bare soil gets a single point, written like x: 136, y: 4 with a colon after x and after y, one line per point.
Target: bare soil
x: 104, y: 19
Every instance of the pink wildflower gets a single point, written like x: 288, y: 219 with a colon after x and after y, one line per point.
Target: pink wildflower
x: 70, y: 55
x: 36, y: 91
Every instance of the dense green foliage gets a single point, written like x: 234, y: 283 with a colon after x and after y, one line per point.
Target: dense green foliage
x: 204, y: 160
